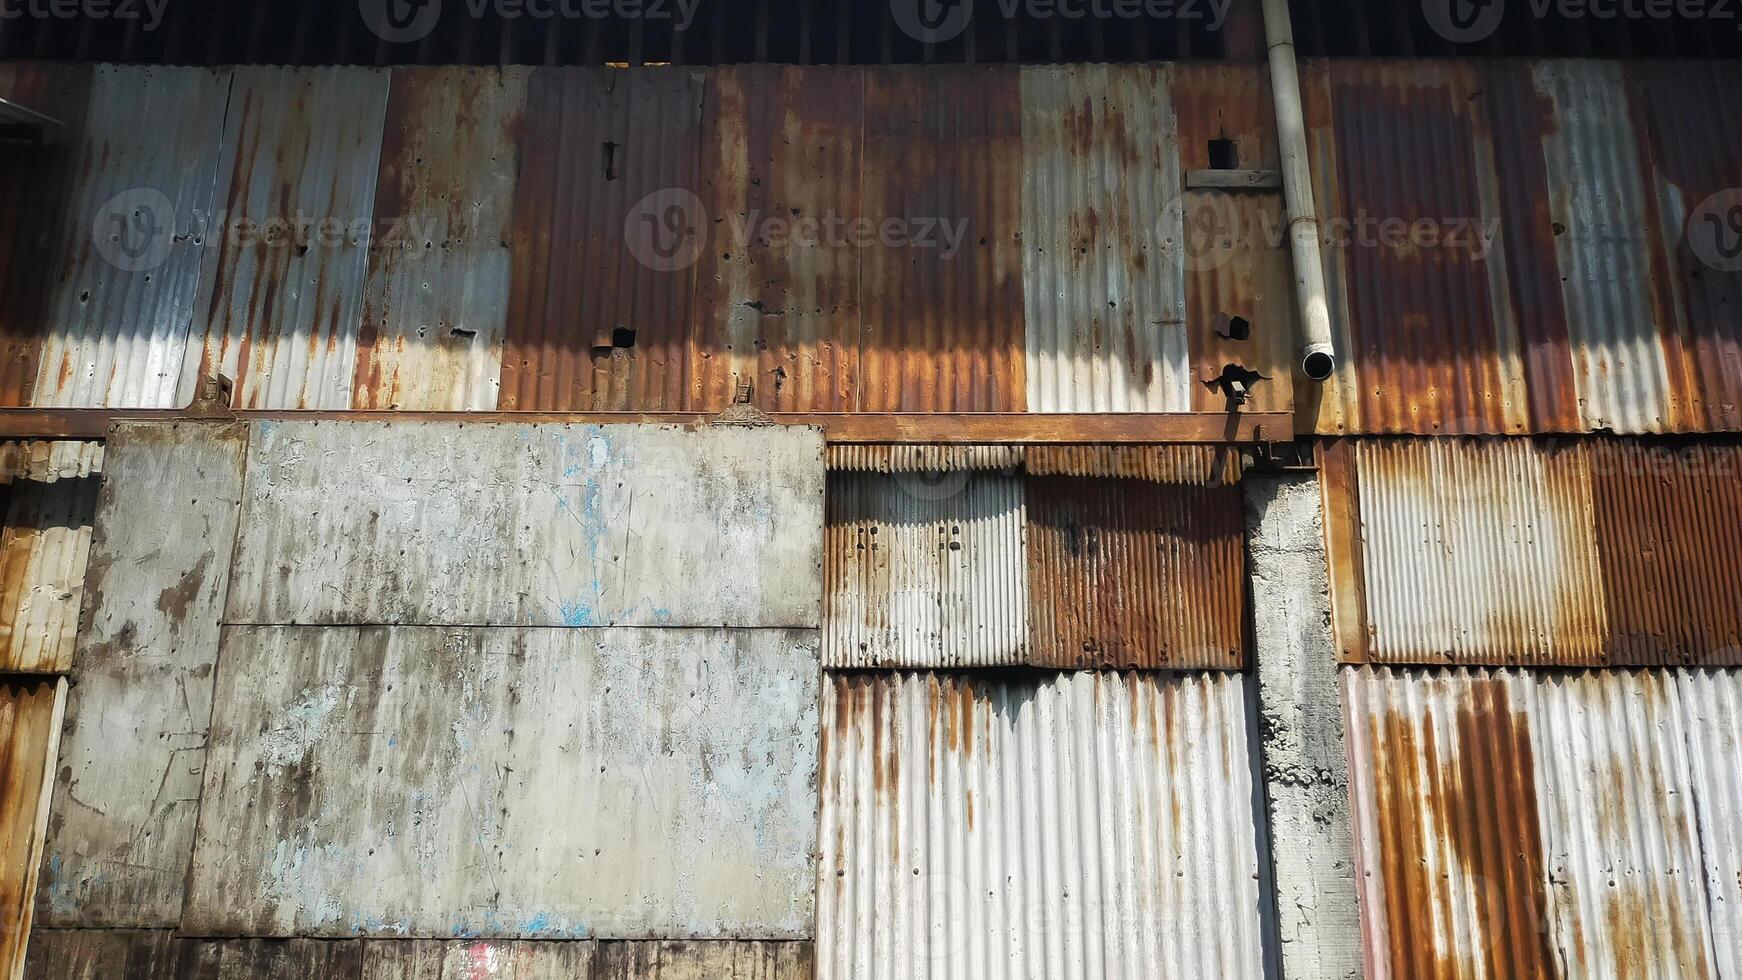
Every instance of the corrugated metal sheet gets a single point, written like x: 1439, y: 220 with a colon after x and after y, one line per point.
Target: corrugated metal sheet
x: 921, y: 459
x: 159, y: 955
x: 1130, y: 573
x: 30, y: 722
x: 1103, y: 277
x: 1093, y: 825
x: 50, y: 503
x: 405, y: 781
x: 1247, y: 274
x: 436, y: 299
x: 37, y: 184
x: 944, y: 333
x: 925, y: 570
x: 1205, y: 465
x: 1712, y: 714
x: 123, y: 819
x: 1516, y: 552
x: 1537, y: 824
x: 590, y: 327
x: 127, y: 278
x: 531, y: 525
x: 780, y: 310
x: 282, y: 311
x: 1629, y: 365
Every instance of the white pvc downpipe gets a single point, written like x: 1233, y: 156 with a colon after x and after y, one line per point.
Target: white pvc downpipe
x: 1318, y: 357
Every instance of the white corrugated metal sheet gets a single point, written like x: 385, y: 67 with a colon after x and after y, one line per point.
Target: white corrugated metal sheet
x: 51, y: 501
x: 1103, y: 273
x: 509, y: 783
x: 531, y: 525
x: 925, y: 570
x: 1477, y: 550
x: 125, y: 291
x: 1081, y: 825
x: 1572, y: 823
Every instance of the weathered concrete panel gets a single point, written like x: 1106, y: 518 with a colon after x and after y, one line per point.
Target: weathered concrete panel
x: 541, y: 783
x: 122, y: 823
x: 477, y: 959
x: 102, y: 954
x: 704, y: 961
x: 531, y: 525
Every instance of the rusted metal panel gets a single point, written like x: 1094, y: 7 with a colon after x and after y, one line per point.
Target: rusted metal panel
x: 1499, y: 552
x: 30, y: 722
x: 1435, y: 350
x: 1712, y: 706
x: 1209, y: 466
x: 925, y: 570
x: 531, y: 525
x: 1668, y: 526
x: 1695, y: 159
x: 347, y: 766
x: 1528, y: 824
x: 436, y: 298
x: 1102, y: 276
x: 1479, y: 552
x: 1631, y: 369
x: 124, y: 284
x: 592, y: 327
x: 1084, y: 824
x: 778, y: 284
x: 37, y: 184
x: 1134, y: 573
x: 944, y: 332
x: 122, y: 824
x: 282, y: 299
x: 50, y: 503
x: 102, y: 954
x: 705, y: 961
x: 1248, y: 274
x: 922, y: 459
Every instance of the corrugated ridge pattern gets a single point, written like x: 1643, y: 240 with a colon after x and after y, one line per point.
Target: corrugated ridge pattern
x: 1432, y: 355
x: 436, y: 297
x: 921, y: 458
x: 1103, y: 275
x: 575, y: 282
x: 282, y: 321
x: 1627, y: 359
x: 1479, y: 552
x: 1522, y: 823
x: 925, y: 570
x: 116, y: 338
x: 944, y: 334
x: 1128, y: 573
x: 1207, y: 465
x: 30, y: 718
x: 1712, y: 702
x: 50, y: 507
x: 1083, y: 825
x: 1669, y: 532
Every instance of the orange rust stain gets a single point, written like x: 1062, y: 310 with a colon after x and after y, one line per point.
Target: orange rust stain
x: 1478, y: 807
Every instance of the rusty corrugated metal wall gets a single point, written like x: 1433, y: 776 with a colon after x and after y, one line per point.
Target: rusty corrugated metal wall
x: 1546, y: 824
x: 1081, y: 557
x: 1501, y: 552
x: 30, y: 720
x: 50, y: 503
